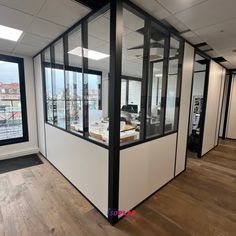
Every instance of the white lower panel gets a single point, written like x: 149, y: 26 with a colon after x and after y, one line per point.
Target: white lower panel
x: 185, y: 104
x: 85, y: 164
x: 144, y: 169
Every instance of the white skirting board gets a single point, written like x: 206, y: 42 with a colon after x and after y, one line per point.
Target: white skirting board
x: 19, y: 153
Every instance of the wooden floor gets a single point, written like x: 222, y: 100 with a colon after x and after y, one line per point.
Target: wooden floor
x: 201, y: 201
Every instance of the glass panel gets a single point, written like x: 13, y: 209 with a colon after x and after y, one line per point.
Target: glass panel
x: 171, y: 96
x: 156, y: 85
x: 74, y: 83
x: 10, y: 103
x: 154, y: 110
x: 58, y: 86
x: 75, y: 48
x: 46, y: 57
x: 174, y: 47
x: 132, y: 68
x: 94, y: 97
x: 49, y: 102
x: 134, y: 95
x: 74, y: 101
x: 123, y: 93
x: 96, y: 81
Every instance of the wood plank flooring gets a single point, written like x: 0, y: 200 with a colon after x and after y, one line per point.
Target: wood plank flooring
x: 38, y: 201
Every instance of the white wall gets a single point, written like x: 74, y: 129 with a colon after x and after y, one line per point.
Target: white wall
x: 39, y: 104
x: 14, y: 150
x: 225, y: 95
x: 214, y: 102
x: 231, y: 123
x: 144, y: 169
x: 220, y: 106
x: 85, y: 164
x: 184, y: 107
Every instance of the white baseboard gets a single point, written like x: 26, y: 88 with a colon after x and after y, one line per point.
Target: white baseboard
x: 19, y: 153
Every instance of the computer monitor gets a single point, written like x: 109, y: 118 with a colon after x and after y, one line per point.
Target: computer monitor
x: 131, y: 108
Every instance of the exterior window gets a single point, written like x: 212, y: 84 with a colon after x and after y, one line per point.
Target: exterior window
x: 13, y: 117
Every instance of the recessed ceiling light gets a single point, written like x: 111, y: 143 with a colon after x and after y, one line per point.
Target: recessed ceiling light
x: 10, y: 33
x: 91, y: 54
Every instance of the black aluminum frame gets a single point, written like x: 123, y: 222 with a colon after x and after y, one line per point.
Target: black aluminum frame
x: 21, y: 70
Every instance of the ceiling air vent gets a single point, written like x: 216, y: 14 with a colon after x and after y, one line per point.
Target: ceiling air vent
x: 204, y: 47
x: 219, y: 59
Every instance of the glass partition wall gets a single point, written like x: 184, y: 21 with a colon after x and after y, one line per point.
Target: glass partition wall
x: 114, y: 79
x: 77, y: 72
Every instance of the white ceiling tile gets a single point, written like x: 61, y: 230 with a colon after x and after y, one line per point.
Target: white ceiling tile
x: 26, y: 50
x: 160, y: 13
x: 176, y: 23
x: 227, y: 65
x: 28, y: 6
x: 34, y: 40
x: 63, y: 12
x: 14, y: 18
x: 192, y: 37
x: 224, y: 29
x: 149, y: 6
x: 45, y: 29
x: 153, y: 8
x: 207, y: 13
x: 223, y: 43
x: 213, y: 53
x: 179, y: 5
x: 100, y: 28
x: 6, y: 45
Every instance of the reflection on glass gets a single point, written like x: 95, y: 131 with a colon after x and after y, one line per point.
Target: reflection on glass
x: 132, y: 70
x: 174, y: 47
x: 74, y: 42
x: 171, y: 96
x: 156, y: 85
x: 74, y: 101
x: 96, y: 83
x: 154, y: 108
x: 58, y: 98
x: 49, y: 101
x: 123, y: 101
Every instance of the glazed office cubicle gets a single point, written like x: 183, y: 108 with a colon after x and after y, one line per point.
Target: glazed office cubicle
x: 113, y: 102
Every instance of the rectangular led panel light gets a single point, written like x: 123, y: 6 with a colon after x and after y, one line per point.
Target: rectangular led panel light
x: 91, y: 54
x: 9, y: 33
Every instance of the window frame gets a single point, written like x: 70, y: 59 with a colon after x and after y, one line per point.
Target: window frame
x: 25, y: 136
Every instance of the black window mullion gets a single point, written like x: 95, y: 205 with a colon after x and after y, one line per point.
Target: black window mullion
x: 144, y: 85
x: 116, y: 31
x: 164, y: 84
x: 84, y: 31
x: 179, y: 84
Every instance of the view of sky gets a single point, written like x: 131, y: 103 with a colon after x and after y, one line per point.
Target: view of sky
x: 9, y: 72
